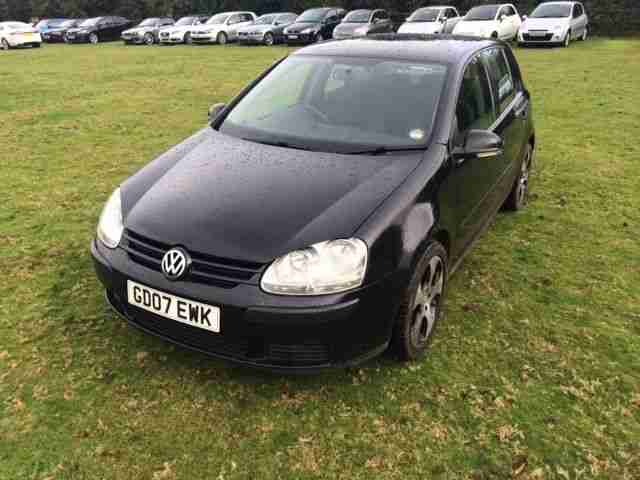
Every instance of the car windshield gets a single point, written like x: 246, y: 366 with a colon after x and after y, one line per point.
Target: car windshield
x: 185, y: 21
x: 312, y: 16
x: 265, y: 20
x: 425, y: 15
x: 358, y: 16
x: 552, y: 10
x: 149, y: 22
x: 90, y: 22
x: 333, y: 104
x: 484, y: 13
x: 218, y: 19
x: 68, y: 23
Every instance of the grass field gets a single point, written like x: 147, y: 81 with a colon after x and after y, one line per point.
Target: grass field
x: 535, y: 371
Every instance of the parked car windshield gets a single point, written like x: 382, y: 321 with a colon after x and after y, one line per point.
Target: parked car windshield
x: 149, y: 22
x: 484, y: 13
x: 358, y: 16
x: 69, y: 23
x: 552, y: 10
x: 312, y: 16
x: 265, y: 20
x: 52, y: 22
x: 218, y: 19
x: 91, y: 22
x: 334, y: 104
x: 424, y: 15
x: 185, y: 21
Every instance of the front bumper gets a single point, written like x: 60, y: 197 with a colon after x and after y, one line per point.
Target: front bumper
x: 549, y: 38
x: 251, y: 38
x: 171, y: 39
x: 302, y: 334
x: 299, y: 38
x: 133, y: 39
x: 77, y: 38
x: 52, y: 37
x: 204, y: 38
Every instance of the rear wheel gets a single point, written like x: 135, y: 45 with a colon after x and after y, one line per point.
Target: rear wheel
x: 519, y: 195
x: 222, y: 38
x: 268, y: 39
x: 421, y: 307
x: 93, y: 39
x: 149, y: 39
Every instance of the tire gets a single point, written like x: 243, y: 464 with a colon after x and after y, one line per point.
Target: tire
x: 268, y: 39
x: 421, y: 307
x: 187, y: 38
x: 567, y: 40
x: 494, y: 35
x: 5, y: 45
x: 519, y: 194
x: 149, y: 39
x: 36, y: 45
x: 93, y: 39
x: 319, y: 37
x: 222, y: 38
x: 585, y: 34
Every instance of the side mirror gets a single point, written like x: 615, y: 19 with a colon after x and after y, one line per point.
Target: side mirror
x: 502, y: 17
x: 215, y: 109
x: 442, y: 20
x: 524, y: 17
x: 479, y: 144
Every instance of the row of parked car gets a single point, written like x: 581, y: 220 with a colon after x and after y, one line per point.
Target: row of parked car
x: 551, y: 22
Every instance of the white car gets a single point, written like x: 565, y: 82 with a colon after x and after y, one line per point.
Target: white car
x: 554, y: 23
x: 18, y: 34
x: 223, y: 27
x: 490, y: 21
x: 180, y: 32
x: 431, y: 20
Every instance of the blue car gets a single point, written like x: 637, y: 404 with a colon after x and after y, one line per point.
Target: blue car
x: 47, y: 24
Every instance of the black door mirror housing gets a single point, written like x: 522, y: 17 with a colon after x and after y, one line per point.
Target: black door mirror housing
x: 215, y: 110
x: 479, y: 144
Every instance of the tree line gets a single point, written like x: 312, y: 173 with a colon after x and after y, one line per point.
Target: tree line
x: 609, y: 17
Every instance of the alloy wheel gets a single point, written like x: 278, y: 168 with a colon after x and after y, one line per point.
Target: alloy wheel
x: 319, y: 38
x: 148, y: 39
x: 585, y: 33
x: 222, y: 38
x: 426, y: 305
x: 93, y: 38
x: 567, y: 39
x: 5, y: 44
x: 187, y: 38
x: 268, y: 39
x: 522, y: 190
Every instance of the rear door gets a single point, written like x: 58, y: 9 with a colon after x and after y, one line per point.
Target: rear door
x: 512, y: 109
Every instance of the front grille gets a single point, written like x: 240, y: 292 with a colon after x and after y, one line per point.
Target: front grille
x: 303, y: 354
x: 537, y: 38
x: 207, y: 269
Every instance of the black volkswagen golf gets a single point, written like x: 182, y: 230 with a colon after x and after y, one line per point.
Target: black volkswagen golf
x: 316, y: 219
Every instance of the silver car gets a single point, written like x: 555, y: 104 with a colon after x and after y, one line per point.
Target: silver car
x: 554, y: 23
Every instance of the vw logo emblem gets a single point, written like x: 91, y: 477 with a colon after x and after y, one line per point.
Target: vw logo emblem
x: 175, y: 263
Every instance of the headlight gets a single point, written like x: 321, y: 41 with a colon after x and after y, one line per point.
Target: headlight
x: 309, y: 30
x: 327, y: 267
x: 110, y: 226
x: 557, y: 27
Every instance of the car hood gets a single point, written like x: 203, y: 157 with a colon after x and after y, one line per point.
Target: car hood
x: 299, y: 27
x: 180, y: 29
x: 83, y: 29
x: 139, y: 30
x: 256, y: 28
x: 236, y: 199
x: 426, y: 28
x: 544, y: 23
x: 474, y: 28
x: 350, y: 28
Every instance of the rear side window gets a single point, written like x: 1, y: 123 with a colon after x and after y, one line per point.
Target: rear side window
x: 501, y: 79
x: 475, y: 105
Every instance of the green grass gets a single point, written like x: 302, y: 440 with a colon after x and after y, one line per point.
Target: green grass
x: 535, y: 371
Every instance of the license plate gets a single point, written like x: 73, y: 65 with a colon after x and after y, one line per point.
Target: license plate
x: 538, y: 34
x: 293, y: 37
x: 196, y: 314
x: 71, y: 36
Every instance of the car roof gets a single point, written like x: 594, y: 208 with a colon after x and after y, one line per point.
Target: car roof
x: 413, y: 47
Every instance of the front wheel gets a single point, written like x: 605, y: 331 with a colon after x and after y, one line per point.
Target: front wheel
x: 519, y: 194
x: 567, y: 39
x: 93, y: 39
x: 187, y: 38
x: 585, y: 34
x: 268, y: 39
x: 421, y: 307
x: 5, y: 44
x: 149, y: 39
x: 222, y: 38
x: 319, y: 37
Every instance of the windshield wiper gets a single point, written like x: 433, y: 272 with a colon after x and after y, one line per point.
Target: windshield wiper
x: 277, y: 144
x: 384, y: 150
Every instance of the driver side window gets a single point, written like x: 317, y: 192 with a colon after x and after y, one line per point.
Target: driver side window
x: 475, y: 109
